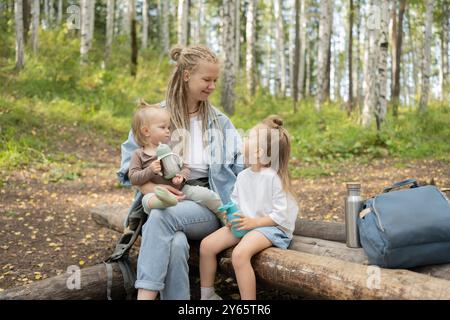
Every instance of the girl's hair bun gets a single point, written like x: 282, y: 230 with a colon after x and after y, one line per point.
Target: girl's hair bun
x: 175, y: 53
x: 274, y: 121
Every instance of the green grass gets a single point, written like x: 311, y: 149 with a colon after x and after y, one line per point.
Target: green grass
x: 54, y: 92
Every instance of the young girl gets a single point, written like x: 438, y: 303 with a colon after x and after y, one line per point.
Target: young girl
x: 263, y: 195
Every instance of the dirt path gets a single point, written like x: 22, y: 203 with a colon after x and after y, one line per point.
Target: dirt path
x: 46, y: 226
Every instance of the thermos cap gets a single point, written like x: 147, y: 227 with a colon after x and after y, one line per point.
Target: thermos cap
x: 353, y: 185
x: 163, y: 150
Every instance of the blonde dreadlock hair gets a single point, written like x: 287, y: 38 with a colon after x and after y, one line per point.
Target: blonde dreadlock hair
x: 187, y: 59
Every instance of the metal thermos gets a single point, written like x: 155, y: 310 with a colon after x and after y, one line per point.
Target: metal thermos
x: 353, y: 205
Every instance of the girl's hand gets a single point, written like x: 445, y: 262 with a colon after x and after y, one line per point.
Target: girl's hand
x: 244, y: 222
x: 155, y: 166
x: 223, y: 217
x: 177, y: 180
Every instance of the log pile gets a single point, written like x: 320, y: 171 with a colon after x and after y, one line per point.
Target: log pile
x: 318, y: 264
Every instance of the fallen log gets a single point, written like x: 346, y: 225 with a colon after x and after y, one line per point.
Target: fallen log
x: 91, y: 286
x: 113, y: 216
x: 306, y: 239
x: 297, y: 272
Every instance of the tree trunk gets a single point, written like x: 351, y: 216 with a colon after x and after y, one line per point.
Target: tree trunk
x: 165, y: 25
x: 397, y: 37
x: 60, y: 12
x: 237, y: 49
x: 280, y: 54
x: 109, y: 28
x: 144, y: 24
x: 296, y: 55
x: 371, y: 59
x: 47, y: 14
x: 85, y: 21
x: 20, y: 54
x: 52, y: 12
x: 381, y: 105
x: 302, y: 62
x: 444, y: 50
x: 182, y: 22
x: 229, y: 77
x: 26, y: 6
x: 426, y: 62
x: 350, y: 56
x: 134, y: 44
x: 35, y: 26
x: 91, y: 22
x: 250, y: 56
x: 323, y: 60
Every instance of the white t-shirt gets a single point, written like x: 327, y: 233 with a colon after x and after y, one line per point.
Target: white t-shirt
x: 260, y: 194
x: 196, y: 157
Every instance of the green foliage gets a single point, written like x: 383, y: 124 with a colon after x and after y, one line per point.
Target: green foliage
x: 54, y: 92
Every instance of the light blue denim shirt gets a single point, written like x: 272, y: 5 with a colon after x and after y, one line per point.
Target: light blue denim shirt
x: 225, y: 163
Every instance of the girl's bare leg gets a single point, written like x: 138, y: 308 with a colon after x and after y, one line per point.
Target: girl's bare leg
x: 252, y: 243
x: 209, y: 248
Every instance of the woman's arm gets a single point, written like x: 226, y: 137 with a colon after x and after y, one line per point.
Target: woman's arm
x: 127, y: 149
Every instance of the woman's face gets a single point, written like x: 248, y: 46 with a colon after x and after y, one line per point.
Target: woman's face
x: 202, y: 80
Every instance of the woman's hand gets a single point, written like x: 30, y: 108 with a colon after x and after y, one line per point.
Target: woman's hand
x: 244, y: 222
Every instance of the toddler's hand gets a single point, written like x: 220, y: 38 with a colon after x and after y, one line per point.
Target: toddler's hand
x: 155, y: 166
x: 177, y: 180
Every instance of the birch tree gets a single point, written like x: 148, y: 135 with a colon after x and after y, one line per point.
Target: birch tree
x: 250, y: 54
x: 109, y: 28
x: 165, y: 25
x: 134, y: 45
x: 237, y: 36
x: 60, y: 12
x: 52, y: 12
x: 444, y: 48
x: 144, y: 24
x: 350, y: 55
x: 18, y: 17
x: 91, y: 22
x: 279, y: 55
x: 85, y: 21
x: 46, y: 13
x: 229, y: 56
x: 302, y: 57
x: 182, y: 31
x: 326, y: 22
x: 295, y: 86
x: 397, y: 39
x: 35, y: 25
x: 426, y: 62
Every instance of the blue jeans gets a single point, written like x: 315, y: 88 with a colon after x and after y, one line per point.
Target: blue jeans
x: 163, y: 258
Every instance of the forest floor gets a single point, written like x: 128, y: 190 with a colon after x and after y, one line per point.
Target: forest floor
x: 45, y: 210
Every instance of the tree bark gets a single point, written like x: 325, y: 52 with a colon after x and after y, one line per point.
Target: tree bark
x: 134, y: 44
x: 109, y: 28
x: 35, y: 26
x: 280, y: 54
x: 91, y: 22
x: 182, y: 32
x: 250, y: 56
x: 144, y: 24
x: 85, y: 21
x: 60, y: 12
x: 302, y: 62
x: 228, y: 75
x: 296, y: 55
x: 397, y: 37
x: 350, y: 56
x: 165, y: 25
x: 323, y: 74
x: 444, y: 50
x: 426, y: 62
x: 20, y: 54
